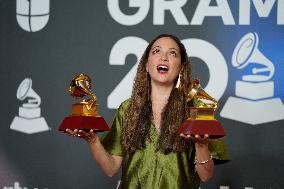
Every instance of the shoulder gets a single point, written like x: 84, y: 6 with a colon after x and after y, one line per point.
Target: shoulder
x: 122, y: 108
x: 124, y: 104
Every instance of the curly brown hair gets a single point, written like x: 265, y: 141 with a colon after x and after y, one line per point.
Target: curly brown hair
x: 138, y: 117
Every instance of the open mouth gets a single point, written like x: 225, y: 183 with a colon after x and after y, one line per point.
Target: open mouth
x: 162, y: 68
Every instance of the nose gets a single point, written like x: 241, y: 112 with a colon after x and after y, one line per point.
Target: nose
x: 164, y: 57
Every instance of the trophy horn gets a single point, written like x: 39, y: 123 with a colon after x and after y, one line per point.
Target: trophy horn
x: 195, y: 90
x: 80, y: 86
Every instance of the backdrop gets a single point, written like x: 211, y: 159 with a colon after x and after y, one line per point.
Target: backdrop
x: 235, y: 47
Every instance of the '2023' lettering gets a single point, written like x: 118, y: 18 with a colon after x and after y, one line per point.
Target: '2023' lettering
x: 208, y: 53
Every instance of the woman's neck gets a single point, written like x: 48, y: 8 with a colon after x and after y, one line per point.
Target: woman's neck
x: 159, y: 97
x: 160, y: 93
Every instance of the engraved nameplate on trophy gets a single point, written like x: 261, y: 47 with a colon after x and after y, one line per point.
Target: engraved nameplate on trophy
x: 202, y: 116
x: 84, y: 114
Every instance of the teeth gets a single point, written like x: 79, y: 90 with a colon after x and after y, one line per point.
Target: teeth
x: 163, y: 68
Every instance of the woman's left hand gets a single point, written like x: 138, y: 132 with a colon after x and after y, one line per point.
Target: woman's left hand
x: 89, y: 136
x: 197, y: 138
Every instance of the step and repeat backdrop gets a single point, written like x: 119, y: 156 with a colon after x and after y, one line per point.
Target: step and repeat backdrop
x: 236, y: 49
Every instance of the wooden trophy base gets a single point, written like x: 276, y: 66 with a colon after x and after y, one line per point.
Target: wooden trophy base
x: 202, y: 122
x: 201, y: 127
x: 98, y: 123
x: 84, y: 119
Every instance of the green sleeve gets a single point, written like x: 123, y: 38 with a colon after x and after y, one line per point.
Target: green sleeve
x: 111, y: 140
x: 218, y: 151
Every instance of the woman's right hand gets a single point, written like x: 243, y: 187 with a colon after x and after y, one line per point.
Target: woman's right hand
x: 89, y: 137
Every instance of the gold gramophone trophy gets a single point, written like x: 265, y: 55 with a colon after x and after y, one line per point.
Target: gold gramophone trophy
x: 202, y: 116
x: 84, y: 114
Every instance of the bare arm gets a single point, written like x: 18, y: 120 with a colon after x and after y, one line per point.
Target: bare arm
x: 110, y: 164
x: 204, y: 163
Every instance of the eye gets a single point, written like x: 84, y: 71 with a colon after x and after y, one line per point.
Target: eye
x: 173, y: 53
x: 155, y: 51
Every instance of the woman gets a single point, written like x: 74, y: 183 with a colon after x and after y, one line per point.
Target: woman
x: 143, y: 139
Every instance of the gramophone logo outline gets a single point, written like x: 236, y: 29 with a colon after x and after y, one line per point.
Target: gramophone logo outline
x: 29, y: 120
x: 254, y: 102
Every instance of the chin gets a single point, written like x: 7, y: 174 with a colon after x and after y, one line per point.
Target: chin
x: 163, y: 82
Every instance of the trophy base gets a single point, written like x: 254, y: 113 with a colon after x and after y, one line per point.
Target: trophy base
x: 253, y: 112
x: 201, y: 127
x: 98, y: 123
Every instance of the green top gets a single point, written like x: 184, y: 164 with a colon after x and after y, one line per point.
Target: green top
x: 152, y: 169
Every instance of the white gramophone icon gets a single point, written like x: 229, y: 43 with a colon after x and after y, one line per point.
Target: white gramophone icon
x: 254, y: 102
x: 29, y: 120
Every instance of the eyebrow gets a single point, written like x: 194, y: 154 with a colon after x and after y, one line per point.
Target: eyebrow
x: 156, y: 47
x: 173, y: 48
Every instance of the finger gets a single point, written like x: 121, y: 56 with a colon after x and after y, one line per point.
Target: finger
x: 191, y: 136
x: 92, y: 132
x: 76, y: 131
x: 83, y: 134
x: 73, y: 134
x: 186, y: 136
x: 69, y: 131
x: 197, y: 136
